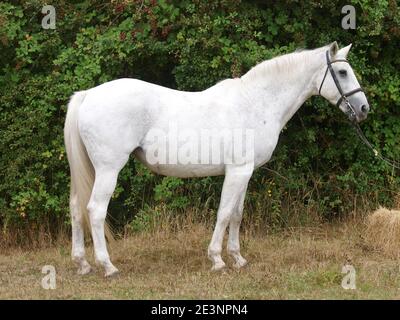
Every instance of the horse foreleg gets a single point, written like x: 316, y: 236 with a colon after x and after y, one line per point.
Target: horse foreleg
x: 235, y: 185
x: 233, y: 246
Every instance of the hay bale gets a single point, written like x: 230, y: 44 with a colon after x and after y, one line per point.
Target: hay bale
x: 383, y: 231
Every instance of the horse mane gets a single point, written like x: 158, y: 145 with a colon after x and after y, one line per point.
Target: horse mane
x: 281, y: 64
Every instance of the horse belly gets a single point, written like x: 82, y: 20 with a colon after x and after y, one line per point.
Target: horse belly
x: 179, y: 170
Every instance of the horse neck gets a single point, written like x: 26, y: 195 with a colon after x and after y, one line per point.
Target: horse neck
x: 281, y: 89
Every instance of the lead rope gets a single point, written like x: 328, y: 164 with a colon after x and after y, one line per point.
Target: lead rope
x: 363, y: 138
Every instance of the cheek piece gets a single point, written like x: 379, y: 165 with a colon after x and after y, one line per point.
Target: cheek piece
x: 343, y: 96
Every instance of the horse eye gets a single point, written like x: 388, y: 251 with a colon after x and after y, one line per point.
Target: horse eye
x: 343, y: 72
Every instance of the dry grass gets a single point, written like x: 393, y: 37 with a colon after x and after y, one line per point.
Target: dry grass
x: 383, y: 231
x: 296, y: 263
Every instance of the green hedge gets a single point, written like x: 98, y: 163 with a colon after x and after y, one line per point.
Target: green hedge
x: 190, y: 45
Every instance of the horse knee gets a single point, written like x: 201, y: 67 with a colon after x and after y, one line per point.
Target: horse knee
x: 97, y: 212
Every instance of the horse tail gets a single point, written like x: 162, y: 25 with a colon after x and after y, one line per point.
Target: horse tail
x: 81, y: 168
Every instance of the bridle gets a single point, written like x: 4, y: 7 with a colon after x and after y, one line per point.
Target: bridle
x: 350, y: 109
x: 343, y: 96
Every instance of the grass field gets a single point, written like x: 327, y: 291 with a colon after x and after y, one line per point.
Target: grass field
x: 299, y: 263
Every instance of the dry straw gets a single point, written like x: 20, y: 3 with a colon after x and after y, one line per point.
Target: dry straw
x: 383, y: 231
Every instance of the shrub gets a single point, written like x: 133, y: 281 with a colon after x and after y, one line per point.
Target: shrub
x: 190, y: 45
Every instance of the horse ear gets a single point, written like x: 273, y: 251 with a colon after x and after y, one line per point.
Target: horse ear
x: 333, y: 48
x: 344, y: 51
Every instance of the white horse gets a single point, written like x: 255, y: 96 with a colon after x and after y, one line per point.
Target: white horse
x: 105, y: 124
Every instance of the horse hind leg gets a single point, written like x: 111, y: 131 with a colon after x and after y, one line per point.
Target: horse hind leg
x: 78, y: 243
x: 107, y: 166
x: 104, y: 185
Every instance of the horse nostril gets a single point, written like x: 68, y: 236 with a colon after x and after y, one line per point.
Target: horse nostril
x: 364, y: 108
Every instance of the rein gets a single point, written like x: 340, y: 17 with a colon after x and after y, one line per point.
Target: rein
x: 350, y: 110
x: 363, y: 138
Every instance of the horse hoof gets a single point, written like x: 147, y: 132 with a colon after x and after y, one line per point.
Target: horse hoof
x: 240, y: 264
x: 84, y: 270
x: 218, y: 267
x: 112, y: 273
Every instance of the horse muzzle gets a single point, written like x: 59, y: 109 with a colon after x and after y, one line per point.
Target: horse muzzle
x: 356, y: 114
